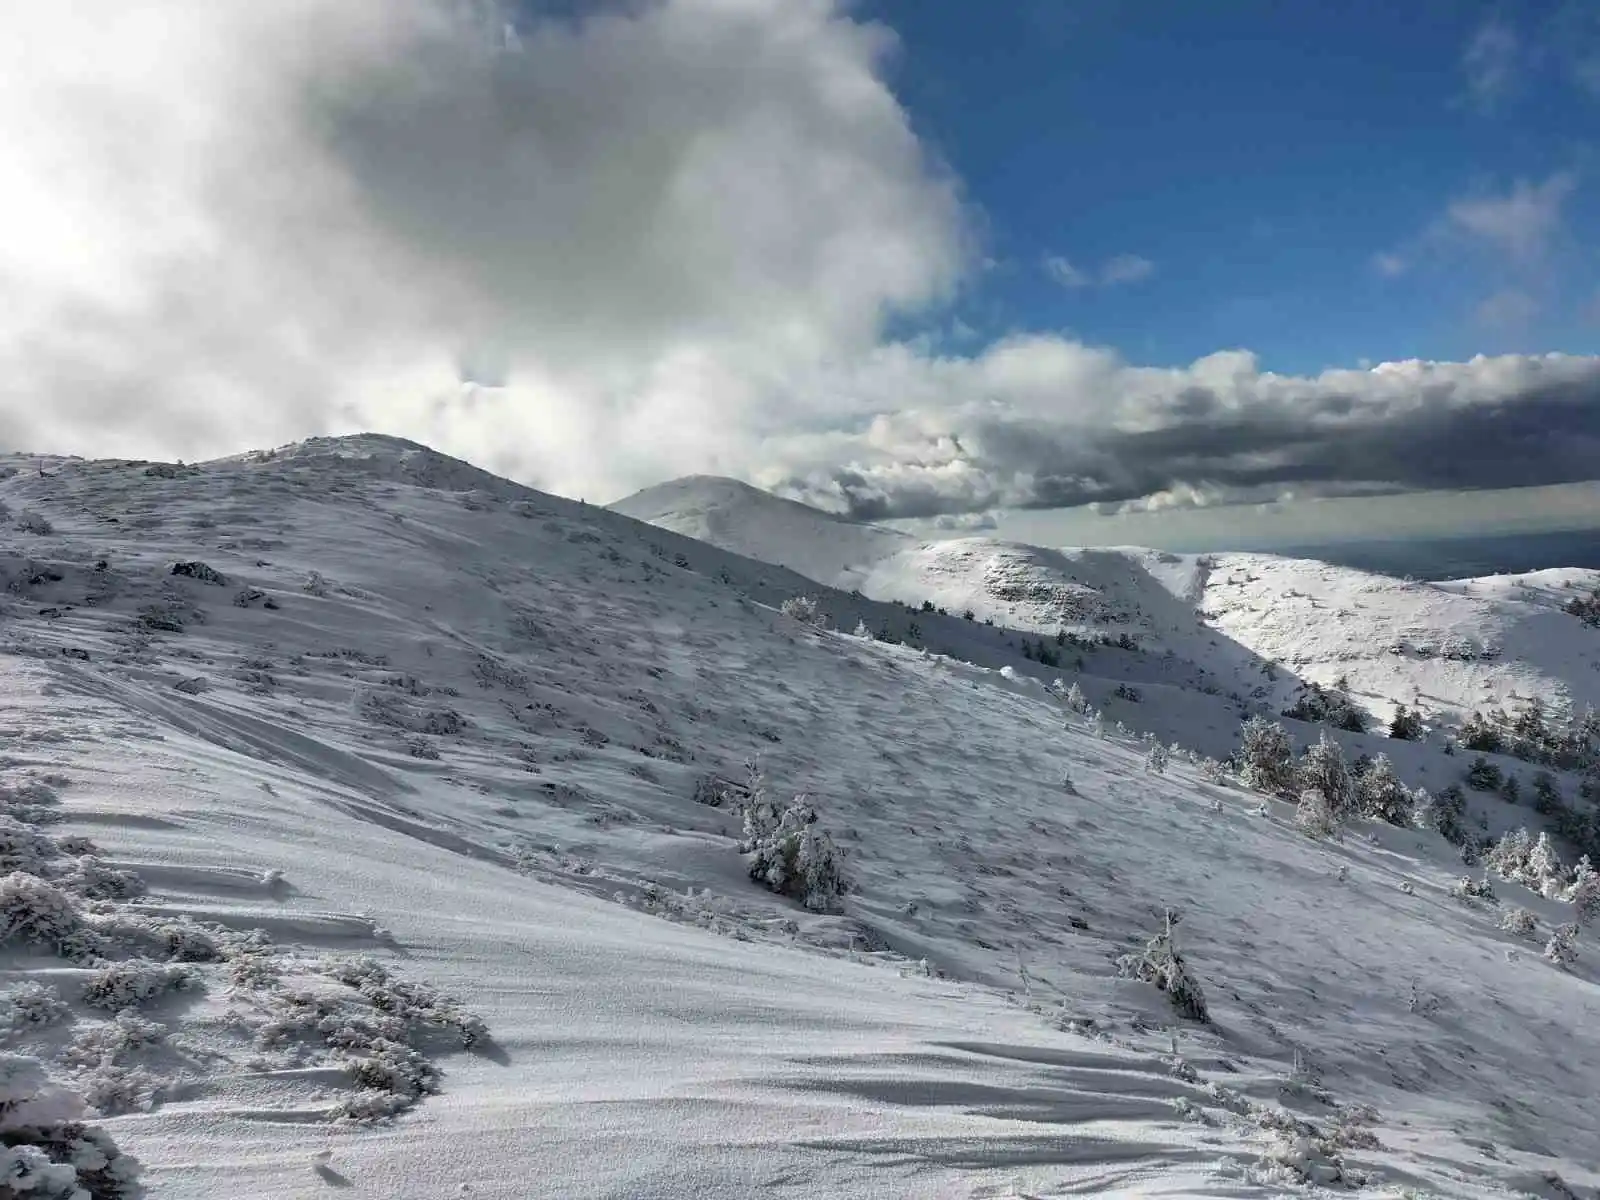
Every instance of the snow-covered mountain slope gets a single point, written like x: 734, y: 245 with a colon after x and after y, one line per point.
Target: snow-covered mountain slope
x: 1448, y: 648
x: 746, y: 520
x: 389, y: 706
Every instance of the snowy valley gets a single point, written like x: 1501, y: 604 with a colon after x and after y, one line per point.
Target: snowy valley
x: 372, y: 823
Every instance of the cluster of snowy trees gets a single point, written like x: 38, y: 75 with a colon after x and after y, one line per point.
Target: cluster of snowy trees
x: 1534, y: 736
x: 1328, y: 706
x: 1586, y: 608
x: 1329, y: 790
x: 1534, y: 863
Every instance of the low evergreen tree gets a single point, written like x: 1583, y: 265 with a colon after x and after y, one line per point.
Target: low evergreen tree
x: 1266, y: 757
x: 1406, y: 724
x: 1323, y: 769
x: 1381, y: 796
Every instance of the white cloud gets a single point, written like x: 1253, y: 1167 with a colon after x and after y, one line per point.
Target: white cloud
x: 233, y: 223
x: 1509, y: 308
x: 1390, y: 265
x: 1122, y: 268
x: 1127, y: 268
x: 1522, y: 223
x: 1490, y: 63
x: 1063, y: 272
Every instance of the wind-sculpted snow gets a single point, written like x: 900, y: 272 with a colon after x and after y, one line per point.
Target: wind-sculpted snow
x: 406, y: 860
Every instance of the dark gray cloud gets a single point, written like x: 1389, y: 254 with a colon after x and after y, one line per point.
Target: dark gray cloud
x: 1490, y: 423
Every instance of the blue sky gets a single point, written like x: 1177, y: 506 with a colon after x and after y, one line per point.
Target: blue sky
x: 1260, y: 157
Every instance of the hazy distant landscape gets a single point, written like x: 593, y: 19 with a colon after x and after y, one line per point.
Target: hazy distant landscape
x: 1461, y: 557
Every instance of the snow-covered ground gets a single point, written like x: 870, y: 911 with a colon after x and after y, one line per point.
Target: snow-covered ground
x: 468, y: 757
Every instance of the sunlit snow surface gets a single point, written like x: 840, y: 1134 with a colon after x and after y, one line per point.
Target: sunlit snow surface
x: 469, y: 737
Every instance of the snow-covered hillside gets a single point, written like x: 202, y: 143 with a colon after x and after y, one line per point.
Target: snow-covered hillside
x: 759, y: 525
x: 1446, y: 648
x: 415, y: 802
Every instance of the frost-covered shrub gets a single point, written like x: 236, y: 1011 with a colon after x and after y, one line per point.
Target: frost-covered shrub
x: 29, y: 521
x: 1323, y: 769
x: 1266, y: 757
x: 111, y: 1041
x: 1467, y: 888
x: 91, y: 877
x: 316, y: 585
x: 200, y: 571
x: 1076, y: 700
x: 31, y: 1005
x: 371, y: 1032
x: 408, y: 1000
x: 1519, y: 921
x: 1157, y: 759
x: 23, y: 848
x: 137, y: 981
x: 804, y: 609
x: 1314, y: 816
x: 1161, y: 964
x: 111, y: 1089
x: 46, y: 1152
x: 180, y: 941
x: 1562, y: 948
x: 1213, y: 771
x: 37, y: 912
x: 790, y: 855
x: 1381, y: 796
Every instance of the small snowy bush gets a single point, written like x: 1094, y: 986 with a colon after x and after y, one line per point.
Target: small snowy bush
x: 37, y: 912
x: 1519, y: 921
x: 91, y: 877
x: 111, y: 1041
x: 46, y: 1152
x: 791, y: 856
x: 110, y: 1090
x: 1157, y: 759
x: 1562, y: 948
x: 22, y: 847
x: 128, y: 984
x: 30, y: 1005
x: 1076, y: 700
x: 200, y: 571
x: 1161, y: 964
x: 805, y: 610
x: 29, y: 521
x: 1467, y: 888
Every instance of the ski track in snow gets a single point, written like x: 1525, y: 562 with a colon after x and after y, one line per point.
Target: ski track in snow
x: 466, y: 742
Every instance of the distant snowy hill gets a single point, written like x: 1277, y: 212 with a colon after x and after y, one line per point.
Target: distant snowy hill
x: 1448, y: 648
x: 374, y: 824
x: 759, y: 525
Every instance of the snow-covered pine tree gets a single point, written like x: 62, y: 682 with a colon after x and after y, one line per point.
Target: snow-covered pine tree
x: 1266, y: 757
x: 1323, y: 769
x: 1157, y: 758
x: 1380, y: 794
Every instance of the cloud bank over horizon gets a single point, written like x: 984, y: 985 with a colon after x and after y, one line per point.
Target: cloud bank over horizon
x: 597, y: 252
